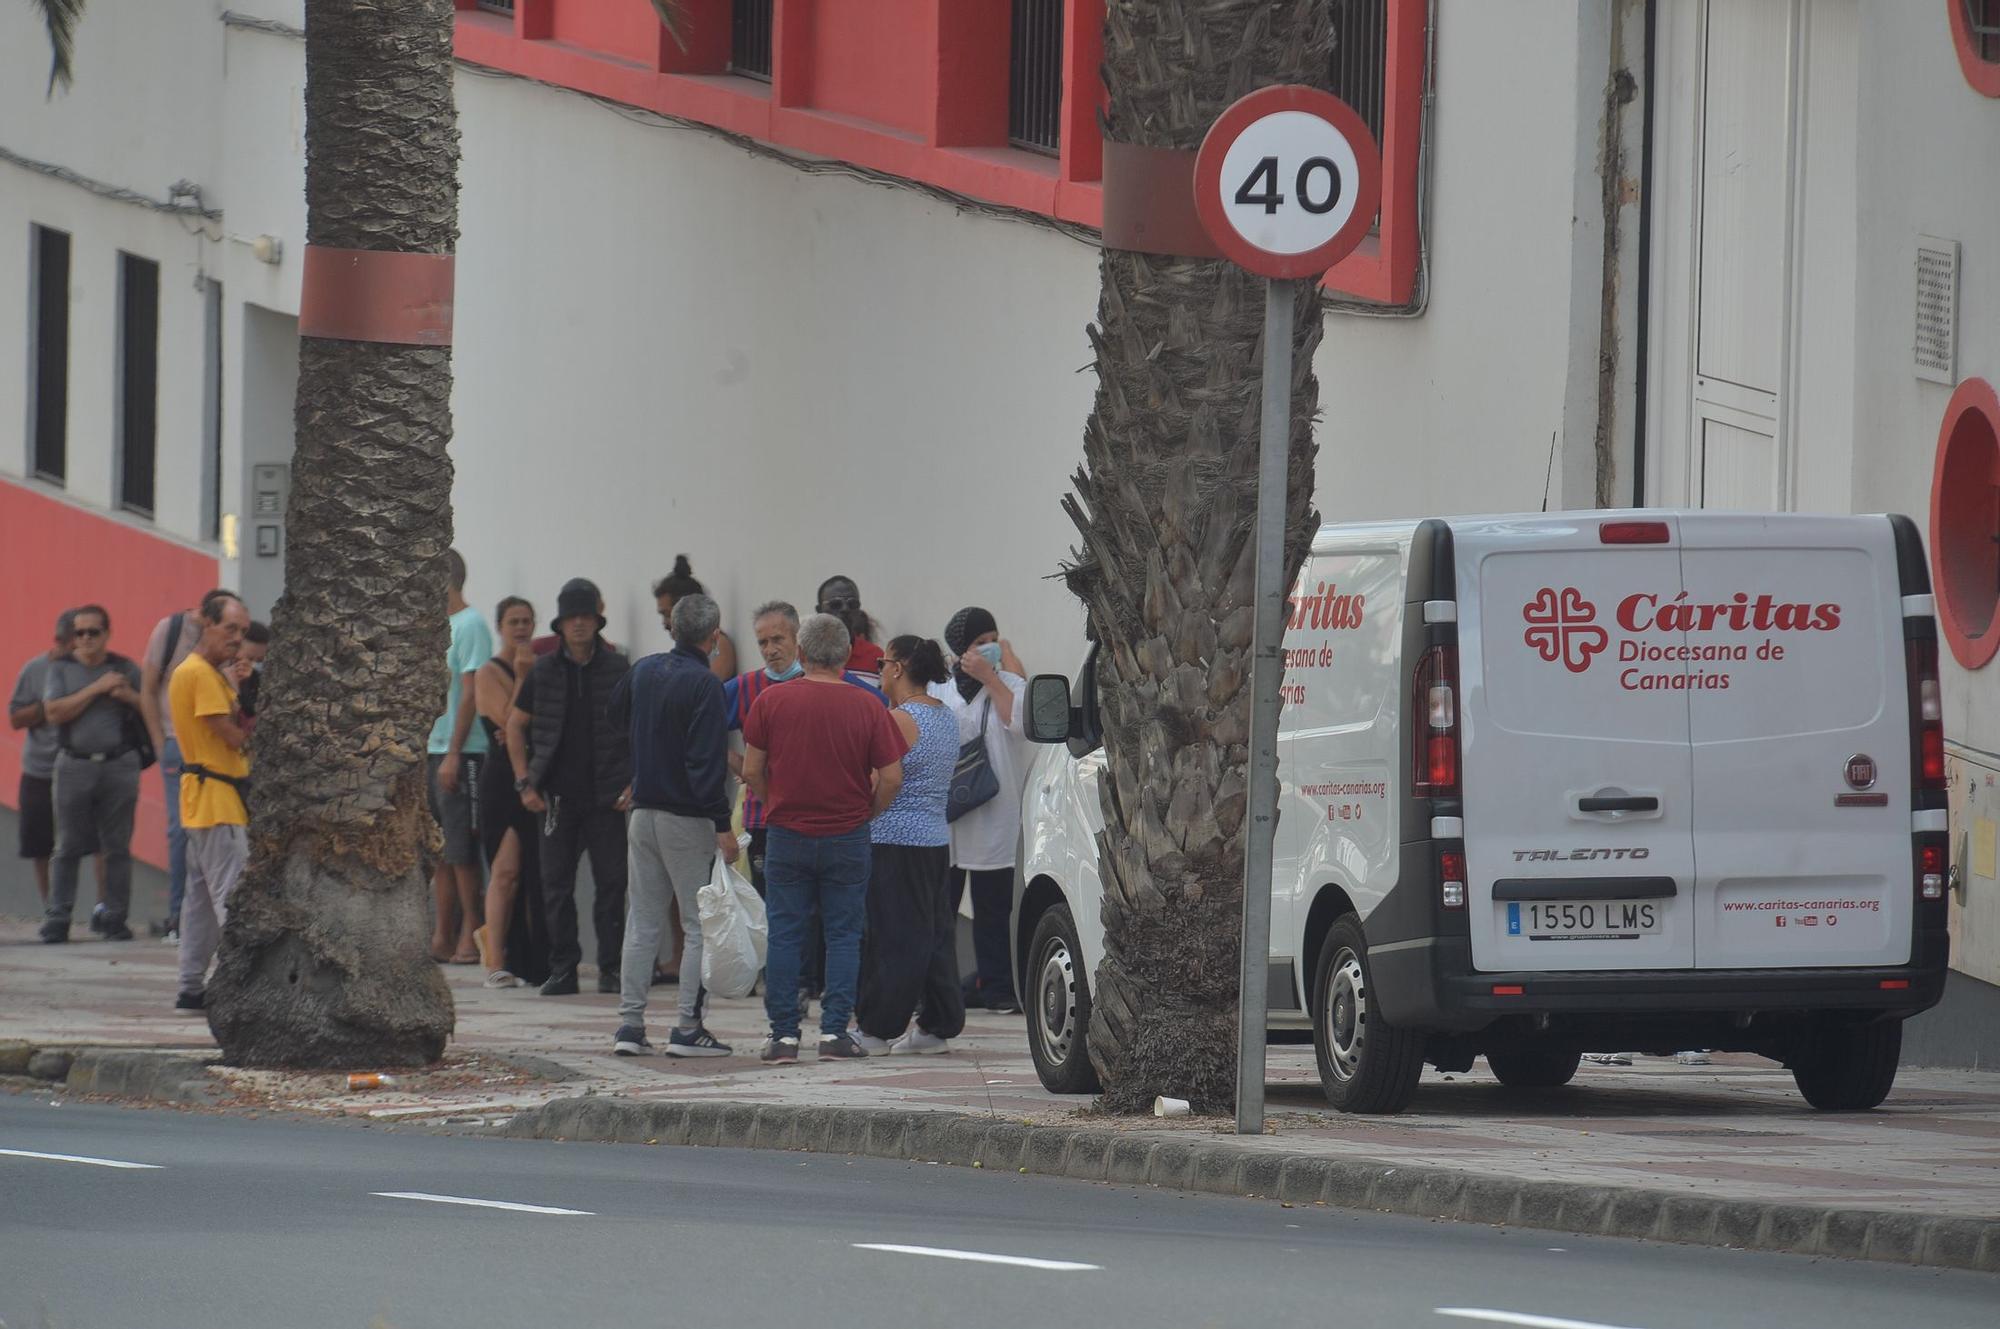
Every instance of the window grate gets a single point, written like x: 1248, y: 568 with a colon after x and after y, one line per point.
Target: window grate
x: 750, y: 38
x: 1034, y: 76
x: 1360, y: 58
x: 48, y: 302
x: 1983, y: 18
x: 1936, y: 344
x: 498, y: 6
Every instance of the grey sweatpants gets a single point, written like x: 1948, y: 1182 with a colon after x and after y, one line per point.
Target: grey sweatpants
x: 94, y: 802
x: 667, y: 857
x: 216, y: 855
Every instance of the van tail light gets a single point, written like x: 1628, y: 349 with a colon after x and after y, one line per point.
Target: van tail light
x: 1633, y: 533
x: 1451, y: 878
x: 1931, y: 870
x: 1434, y: 768
x: 1926, y: 715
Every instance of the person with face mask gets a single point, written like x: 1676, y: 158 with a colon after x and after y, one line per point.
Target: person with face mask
x: 987, y: 693
x: 840, y: 597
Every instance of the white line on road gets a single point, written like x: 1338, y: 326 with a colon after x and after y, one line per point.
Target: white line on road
x: 480, y: 1204
x: 78, y: 1158
x: 977, y: 1257
x: 1517, y: 1318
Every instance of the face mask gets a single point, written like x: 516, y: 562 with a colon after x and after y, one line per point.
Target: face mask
x: 787, y: 675
x: 991, y: 650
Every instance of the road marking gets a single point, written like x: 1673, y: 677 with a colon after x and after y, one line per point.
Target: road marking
x: 977, y: 1257
x: 480, y: 1204
x: 1517, y: 1318
x: 78, y: 1158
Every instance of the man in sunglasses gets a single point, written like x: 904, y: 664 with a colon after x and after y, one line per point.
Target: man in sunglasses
x: 91, y: 696
x: 38, y: 754
x: 840, y: 597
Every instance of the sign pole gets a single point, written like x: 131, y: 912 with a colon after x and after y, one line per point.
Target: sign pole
x: 1267, y: 666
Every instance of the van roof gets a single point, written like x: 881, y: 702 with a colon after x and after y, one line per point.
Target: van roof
x: 1338, y: 535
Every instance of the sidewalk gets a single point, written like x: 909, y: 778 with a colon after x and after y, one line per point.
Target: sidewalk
x: 1732, y: 1131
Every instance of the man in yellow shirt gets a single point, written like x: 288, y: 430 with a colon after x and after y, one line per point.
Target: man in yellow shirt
x: 214, y: 772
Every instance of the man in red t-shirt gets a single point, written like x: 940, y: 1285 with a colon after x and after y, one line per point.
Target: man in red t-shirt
x: 826, y: 759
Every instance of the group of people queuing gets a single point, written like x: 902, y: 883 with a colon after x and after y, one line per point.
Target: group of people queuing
x: 94, y: 721
x: 825, y: 773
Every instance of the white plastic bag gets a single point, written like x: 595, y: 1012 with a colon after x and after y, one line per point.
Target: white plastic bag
x: 732, y: 932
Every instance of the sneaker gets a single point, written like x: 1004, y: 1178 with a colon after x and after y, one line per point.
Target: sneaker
x: 780, y: 1052
x: 608, y: 980
x: 97, y: 921
x: 873, y: 1046
x: 696, y: 1043
x: 920, y: 1043
x: 1004, y: 1004
x: 54, y: 932
x: 842, y: 1046
x: 1608, y: 1058
x: 116, y: 931
x: 500, y: 978
x: 191, y: 1001
x: 560, y: 985
x: 1693, y: 1058
x: 172, y: 936
x: 631, y: 1041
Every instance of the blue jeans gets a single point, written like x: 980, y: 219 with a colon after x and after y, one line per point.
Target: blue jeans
x: 177, y: 840
x: 803, y: 873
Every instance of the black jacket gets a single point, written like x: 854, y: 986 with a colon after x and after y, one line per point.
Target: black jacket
x: 611, y: 755
x: 672, y: 707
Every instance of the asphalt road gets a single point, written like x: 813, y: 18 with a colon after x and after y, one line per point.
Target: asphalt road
x: 280, y: 1223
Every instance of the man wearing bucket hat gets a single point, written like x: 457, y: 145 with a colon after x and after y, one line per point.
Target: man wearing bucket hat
x: 573, y: 768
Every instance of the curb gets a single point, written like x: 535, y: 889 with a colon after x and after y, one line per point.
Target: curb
x: 1257, y: 1170
x: 161, y: 1077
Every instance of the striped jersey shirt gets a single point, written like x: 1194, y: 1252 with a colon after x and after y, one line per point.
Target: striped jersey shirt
x: 739, y: 694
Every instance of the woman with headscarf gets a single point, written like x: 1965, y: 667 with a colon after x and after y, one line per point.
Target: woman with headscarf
x: 987, y: 692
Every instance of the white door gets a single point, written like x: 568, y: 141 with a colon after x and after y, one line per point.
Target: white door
x: 1796, y: 865
x: 1578, y: 815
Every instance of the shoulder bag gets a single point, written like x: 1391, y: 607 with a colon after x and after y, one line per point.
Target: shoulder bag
x: 973, y: 783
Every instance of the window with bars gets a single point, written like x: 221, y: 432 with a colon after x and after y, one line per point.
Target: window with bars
x: 1983, y: 18
x: 750, y: 38
x: 1360, y: 54
x: 498, y: 6
x: 48, y: 349
x: 138, y: 380
x: 1035, y: 76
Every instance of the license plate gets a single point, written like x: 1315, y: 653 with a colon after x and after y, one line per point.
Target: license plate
x: 1583, y: 920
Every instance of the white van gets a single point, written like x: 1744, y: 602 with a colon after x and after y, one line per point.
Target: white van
x: 1564, y: 782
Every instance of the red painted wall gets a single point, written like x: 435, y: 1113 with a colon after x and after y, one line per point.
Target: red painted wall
x: 58, y: 555
x: 627, y: 28
x: 869, y: 61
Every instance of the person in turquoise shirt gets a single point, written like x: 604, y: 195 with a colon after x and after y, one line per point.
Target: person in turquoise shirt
x: 457, y: 761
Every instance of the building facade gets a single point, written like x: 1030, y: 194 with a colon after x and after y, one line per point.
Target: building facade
x: 806, y: 294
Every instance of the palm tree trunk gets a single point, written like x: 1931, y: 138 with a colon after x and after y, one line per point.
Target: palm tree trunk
x: 324, y: 961
x: 1166, y: 502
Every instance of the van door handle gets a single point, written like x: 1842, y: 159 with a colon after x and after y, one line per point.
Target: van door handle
x: 1619, y: 803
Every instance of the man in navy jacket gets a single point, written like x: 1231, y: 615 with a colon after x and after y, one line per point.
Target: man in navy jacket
x: 673, y: 707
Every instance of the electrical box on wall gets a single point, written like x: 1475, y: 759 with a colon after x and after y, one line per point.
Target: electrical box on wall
x: 1936, y: 341
x: 270, y: 486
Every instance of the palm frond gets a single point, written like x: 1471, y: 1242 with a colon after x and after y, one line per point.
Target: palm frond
x: 673, y: 14
x: 61, y: 18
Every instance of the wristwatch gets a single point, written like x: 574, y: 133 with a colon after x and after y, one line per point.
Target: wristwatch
x: 521, y: 785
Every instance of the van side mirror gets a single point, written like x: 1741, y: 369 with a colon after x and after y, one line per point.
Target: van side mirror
x: 1048, y: 718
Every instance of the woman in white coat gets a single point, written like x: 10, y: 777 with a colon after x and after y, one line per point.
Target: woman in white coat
x: 988, y: 688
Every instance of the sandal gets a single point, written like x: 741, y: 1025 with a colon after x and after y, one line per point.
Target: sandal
x: 500, y: 978
x: 462, y: 958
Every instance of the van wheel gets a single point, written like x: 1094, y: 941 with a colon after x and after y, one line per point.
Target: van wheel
x: 1848, y: 1068
x: 1365, y: 1064
x: 1532, y: 1068
x: 1059, y: 1007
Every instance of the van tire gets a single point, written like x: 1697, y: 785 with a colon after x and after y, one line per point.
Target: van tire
x: 1532, y: 1068
x: 1057, y: 997
x: 1849, y: 1068
x: 1365, y: 1063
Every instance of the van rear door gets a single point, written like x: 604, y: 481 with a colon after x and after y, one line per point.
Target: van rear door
x: 1578, y: 817
x: 1802, y: 746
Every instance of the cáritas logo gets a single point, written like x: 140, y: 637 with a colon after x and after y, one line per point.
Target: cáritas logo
x: 1562, y: 626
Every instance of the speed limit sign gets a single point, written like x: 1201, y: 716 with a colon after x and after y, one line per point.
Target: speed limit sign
x: 1287, y: 182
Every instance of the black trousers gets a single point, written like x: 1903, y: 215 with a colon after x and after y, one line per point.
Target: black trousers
x: 992, y: 902
x: 812, y: 959
x: 909, y: 961
x: 600, y: 832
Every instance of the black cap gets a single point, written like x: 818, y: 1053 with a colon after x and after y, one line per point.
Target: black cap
x: 579, y: 595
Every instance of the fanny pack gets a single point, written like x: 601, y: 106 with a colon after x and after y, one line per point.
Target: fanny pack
x: 240, y: 783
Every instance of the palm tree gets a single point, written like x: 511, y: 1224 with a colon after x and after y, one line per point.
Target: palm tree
x: 1165, y: 503
x: 61, y: 18
x: 324, y: 961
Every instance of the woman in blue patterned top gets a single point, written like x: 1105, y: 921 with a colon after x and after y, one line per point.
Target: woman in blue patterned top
x: 910, y: 959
